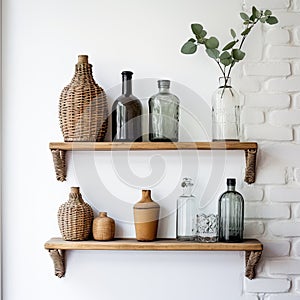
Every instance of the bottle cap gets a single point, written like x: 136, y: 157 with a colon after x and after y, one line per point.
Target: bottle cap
x: 164, y: 83
x: 231, y: 181
x: 128, y: 74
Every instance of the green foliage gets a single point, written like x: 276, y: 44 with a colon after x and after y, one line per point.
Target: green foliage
x: 231, y: 52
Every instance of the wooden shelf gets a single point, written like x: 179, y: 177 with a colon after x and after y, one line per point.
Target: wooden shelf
x: 139, y: 146
x: 59, y: 149
x: 56, y: 246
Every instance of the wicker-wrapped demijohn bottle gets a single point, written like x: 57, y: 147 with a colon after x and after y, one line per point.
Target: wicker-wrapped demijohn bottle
x: 75, y: 217
x: 83, y: 111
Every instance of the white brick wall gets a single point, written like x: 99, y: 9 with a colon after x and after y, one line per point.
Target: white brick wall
x: 274, y: 211
x: 270, y: 85
x: 267, y: 69
x: 266, y: 285
x: 277, y: 36
x: 268, y: 100
x: 284, y: 194
x: 285, y: 228
x: 291, y: 267
x: 276, y: 248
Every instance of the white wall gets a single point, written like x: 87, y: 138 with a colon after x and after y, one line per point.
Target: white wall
x: 41, y: 41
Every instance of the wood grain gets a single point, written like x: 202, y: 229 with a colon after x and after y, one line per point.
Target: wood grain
x: 139, y: 146
x: 158, y: 245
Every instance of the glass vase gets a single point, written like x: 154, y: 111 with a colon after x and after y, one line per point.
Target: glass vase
x: 225, y: 112
x: 231, y: 214
x: 186, y: 213
x: 163, y: 114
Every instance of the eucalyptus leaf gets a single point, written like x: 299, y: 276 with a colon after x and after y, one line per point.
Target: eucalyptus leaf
x: 272, y: 20
x: 255, y: 12
x: 213, y: 53
x: 192, y: 40
x: 252, y: 18
x: 189, y: 48
x: 212, y: 43
x: 197, y: 29
x: 226, y: 61
x: 203, y: 33
x: 263, y: 19
x: 244, y: 16
x: 246, y: 31
x: 233, y: 33
x: 225, y: 55
x: 229, y: 45
x: 238, y: 54
x: 268, y: 13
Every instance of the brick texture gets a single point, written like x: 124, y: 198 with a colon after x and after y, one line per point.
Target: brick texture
x: 268, y: 100
x: 268, y: 285
x: 285, y: 228
x: 284, y: 194
x: 275, y: 211
x: 276, y: 248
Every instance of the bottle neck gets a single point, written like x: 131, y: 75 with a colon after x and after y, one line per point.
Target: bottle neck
x: 231, y: 188
x: 164, y: 90
x: 126, y: 86
x: 225, y: 82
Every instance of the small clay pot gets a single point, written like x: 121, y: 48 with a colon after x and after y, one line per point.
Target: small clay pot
x: 146, y: 216
x: 103, y: 227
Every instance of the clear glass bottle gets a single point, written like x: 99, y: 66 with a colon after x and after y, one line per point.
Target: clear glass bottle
x: 127, y: 114
x: 163, y: 114
x: 225, y: 113
x: 231, y: 214
x: 186, y: 212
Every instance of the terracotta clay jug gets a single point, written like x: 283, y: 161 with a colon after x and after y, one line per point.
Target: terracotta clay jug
x: 103, y: 227
x: 146, y: 216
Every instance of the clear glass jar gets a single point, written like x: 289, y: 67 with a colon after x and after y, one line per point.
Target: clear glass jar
x: 186, y: 212
x: 225, y: 112
x: 163, y: 114
x: 231, y: 214
x: 127, y: 114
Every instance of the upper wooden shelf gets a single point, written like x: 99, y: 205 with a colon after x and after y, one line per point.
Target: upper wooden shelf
x: 56, y: 246
x: 159, y: 245
x: 109, y: 146
x: 59, y: 149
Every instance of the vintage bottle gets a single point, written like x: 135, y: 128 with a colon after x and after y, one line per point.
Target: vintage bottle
x: 163, y: 114
x: 127, y: 114
x: 146, y: 217
x: 225, y: 112
x: 186, y: 212
x: 231, y: 214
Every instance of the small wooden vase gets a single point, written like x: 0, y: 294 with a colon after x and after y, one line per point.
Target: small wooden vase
x: 146, y: 215
x: 103, y: 227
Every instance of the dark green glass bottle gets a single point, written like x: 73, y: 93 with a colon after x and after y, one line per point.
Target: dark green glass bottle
x: 231, y: 214
x: 127, y: 114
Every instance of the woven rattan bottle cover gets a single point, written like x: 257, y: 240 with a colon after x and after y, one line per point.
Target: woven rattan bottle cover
x: 75, y: 217
x: 103, y: 227
x: 83, y: 110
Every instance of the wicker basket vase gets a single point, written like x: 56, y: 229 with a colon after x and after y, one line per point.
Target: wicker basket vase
x: 83, y: 111
x: 103, y: 227
x: 75, y: 217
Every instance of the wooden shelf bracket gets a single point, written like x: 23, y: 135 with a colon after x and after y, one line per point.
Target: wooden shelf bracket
x: 58, y: 258
x: 251, y: 258
x: 59, y: 160
x: 250, y: 156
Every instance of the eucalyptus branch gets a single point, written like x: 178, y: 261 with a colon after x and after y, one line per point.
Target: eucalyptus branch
x: 224, y: 57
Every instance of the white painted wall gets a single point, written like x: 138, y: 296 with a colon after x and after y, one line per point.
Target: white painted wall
x: 41, y: 41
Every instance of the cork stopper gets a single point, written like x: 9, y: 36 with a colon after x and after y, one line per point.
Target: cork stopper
x: 75, y: 190
x: 83, y: 59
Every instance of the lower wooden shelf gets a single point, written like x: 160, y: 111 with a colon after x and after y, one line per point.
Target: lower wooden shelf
x: 56, y: 246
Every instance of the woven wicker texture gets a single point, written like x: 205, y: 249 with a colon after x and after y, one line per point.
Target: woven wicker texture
x: 75, y: 217
x: 83, y: 111
x: 250, y: 165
